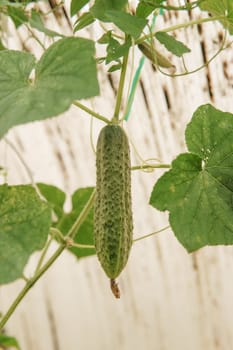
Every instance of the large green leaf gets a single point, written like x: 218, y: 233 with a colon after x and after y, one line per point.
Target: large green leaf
x: 100, y: 8
x: 20, y: 16
x: 77, y: 5
x: 24, y: 226
x: 65, y: 72
x: 129, y: 24
x: 84, y: 235
x: 113, y: 11
x: 17, y: 14
x: 83, y: 21
x: 198, y: 190
x: 146, y: 7
x: 8, y: 342
x: 172, y: 44
x: 65, y: 220
x: 54, y: 196
x: 220, y: 8
x: 4, y: 3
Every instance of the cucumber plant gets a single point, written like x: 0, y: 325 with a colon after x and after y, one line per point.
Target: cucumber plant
x: 197, y: 188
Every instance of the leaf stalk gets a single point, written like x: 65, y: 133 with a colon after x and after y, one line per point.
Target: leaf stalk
x: 120, y: 89
x: 91, y: 112
x: 179, y: 26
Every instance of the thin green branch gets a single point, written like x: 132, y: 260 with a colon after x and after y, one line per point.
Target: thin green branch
x: 150, y: 234
x: 179, y: 26
x: 69, y: 241
x: 57, y: 233
x: 81, y: 217
x: 29, y: 285
x: 35, y: 37
x: 91, y: 112
x: 25, y: 278
x: 150, y: 166
x: 112, y: 32
x: 187, y: 6
x: 191, y: 23
x: 43, y: 254
x: 120, y: 88
x: 83, y: 246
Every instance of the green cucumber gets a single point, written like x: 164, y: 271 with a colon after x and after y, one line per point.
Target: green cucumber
x: 113, y: 222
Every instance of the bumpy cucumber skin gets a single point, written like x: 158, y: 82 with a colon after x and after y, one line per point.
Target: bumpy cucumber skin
x: 113, y: 222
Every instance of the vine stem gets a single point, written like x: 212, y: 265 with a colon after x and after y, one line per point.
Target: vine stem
x: 91, y: 112
x: 35, y: 37
x: 68, y: 241
x: 29, y: 284
x: 179, y: 26
x: 44, y: 252
x: 82, y: 216
x: 120, y: 88
x: 50, y: 261
x: 150, y: 166
x: 82, y: 246
x: 150, y: 234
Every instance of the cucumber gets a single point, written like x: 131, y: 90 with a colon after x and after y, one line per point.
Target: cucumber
x: 113, y: 221
x: 155, y: 56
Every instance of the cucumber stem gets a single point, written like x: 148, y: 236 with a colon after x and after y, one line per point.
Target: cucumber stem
x: 120, y: 89
x: 150, y: 234
x: 151, y: 166
x: 91, y: 112
x: 115, y: 289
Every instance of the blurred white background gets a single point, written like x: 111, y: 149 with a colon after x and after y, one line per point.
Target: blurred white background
x: 171, y: 300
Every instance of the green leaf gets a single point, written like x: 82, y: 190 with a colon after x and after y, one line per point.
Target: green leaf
x: 37, y: 23
x: 115, y: 50
x: 4, y: 3
x: 105, y: 38
x: 65, y: 72
x: 17, y: 15
x: 24, y: 226
x: 100, y: 8
x: 198, y: 190
x: 83, y: 21
x: 115, y: 67
x: 2, y: 47
x: 77, y: 5
x: 56, y: 199
x: 54, y: 196
x: 7, y: 341
x: 174, y: 46
x: 85, y: 232
x: 129, y: 24
x: 146, y: 7
x: 113, y: 11
x: 220, y: 8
